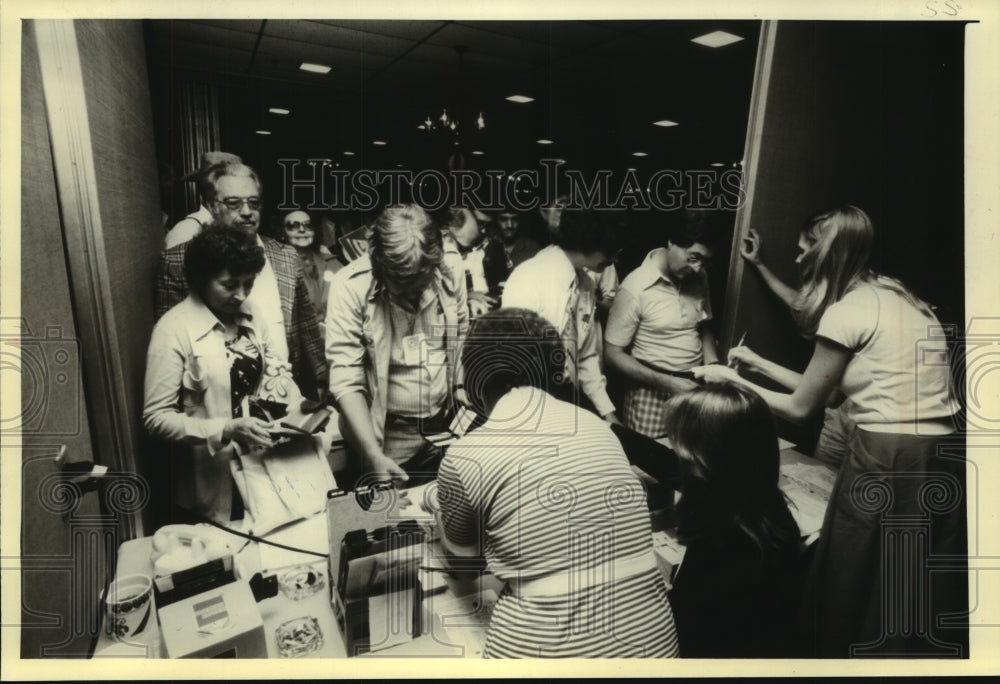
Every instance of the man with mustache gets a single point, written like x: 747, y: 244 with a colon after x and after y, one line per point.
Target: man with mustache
x: 658, y: 325
x: 279, y: 293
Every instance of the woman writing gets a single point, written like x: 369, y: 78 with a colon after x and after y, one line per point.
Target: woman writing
x: 831, y: 447
x: 868, y: 330
x: 207, y: 358
x: 736, y: 593
x: 544, y: 491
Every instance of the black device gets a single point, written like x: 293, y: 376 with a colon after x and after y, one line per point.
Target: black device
x: 184, y: 584
x: 378, y: 594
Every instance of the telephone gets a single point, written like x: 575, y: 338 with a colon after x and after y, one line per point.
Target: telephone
x: 179, y: 547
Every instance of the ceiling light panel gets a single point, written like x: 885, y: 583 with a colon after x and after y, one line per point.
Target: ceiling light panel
x: 717, y: 39
x: 314, y: 68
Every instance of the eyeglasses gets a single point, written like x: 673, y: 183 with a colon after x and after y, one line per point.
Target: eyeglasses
x: 236, y: 203
x: 295, y: 225
x: 698, y: 258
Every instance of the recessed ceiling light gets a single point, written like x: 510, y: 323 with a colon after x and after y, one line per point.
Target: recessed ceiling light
x: 664, y: 123
x: 478, y: 153
x: 380, y: 143
x: 399, y: 166
x: 631, y: 168
x: 422, y: 127
x: 543, y: 141
x: 521, y: 99
x: 348, y: 154
x: 716, y: 39
x: 559, y: 161
x: 263, y: 132
x: 279, y: 110
x: 717, y: 164
x: 315, y: 68
x: 639, y: 154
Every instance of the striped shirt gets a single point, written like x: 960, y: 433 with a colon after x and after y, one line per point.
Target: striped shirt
x: 544, y: 487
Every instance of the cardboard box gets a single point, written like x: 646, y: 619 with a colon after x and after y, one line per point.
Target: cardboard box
x: 220, y: 623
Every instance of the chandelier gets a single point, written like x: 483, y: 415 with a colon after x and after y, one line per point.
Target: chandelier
x: 452, y: 123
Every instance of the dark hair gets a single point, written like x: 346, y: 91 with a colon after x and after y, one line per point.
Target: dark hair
x: 283, y: 237
x: 727, y: 445
x: 511, y: 348
x: 699, y: 225
x: 587, y: 231
x: 220, y: 248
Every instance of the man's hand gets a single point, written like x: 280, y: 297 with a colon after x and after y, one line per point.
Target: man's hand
x: 480, y: 303
x: 716, y: 373
x: 675, y: 385
x: 387, y: 469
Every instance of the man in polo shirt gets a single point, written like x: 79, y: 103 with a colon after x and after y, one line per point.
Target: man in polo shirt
x: 279, y: 293
x: 658, y: 326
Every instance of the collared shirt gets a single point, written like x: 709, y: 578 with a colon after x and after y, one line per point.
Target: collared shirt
x: 187, y: 397
x: 658, y: 318
x: 418, y: 384
x: 264, y: 298
x: 549, y: 285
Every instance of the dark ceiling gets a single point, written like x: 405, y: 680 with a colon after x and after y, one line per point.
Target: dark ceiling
x: 598, y: 86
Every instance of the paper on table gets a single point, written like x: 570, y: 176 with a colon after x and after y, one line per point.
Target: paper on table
x: 807, y: 507
x: 309, y: 534
x: 814, y: 478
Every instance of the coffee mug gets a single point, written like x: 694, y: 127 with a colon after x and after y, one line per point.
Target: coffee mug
x: 128, y: 604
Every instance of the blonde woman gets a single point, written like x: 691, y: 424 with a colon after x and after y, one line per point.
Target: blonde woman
x: 874, y: 341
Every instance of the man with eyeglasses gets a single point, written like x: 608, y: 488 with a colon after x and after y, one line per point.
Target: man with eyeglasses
x: 279, y: 292
x: 191, y: 225
x: 658, y: 325
x: 553, y: 284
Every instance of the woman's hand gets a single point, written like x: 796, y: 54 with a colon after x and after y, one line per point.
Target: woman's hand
x: 745, y: 357
x: 716, y: 373
x: 750, y: 247
x: 248, y: 432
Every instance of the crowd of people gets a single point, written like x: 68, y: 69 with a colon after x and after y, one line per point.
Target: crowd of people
x: 520, y: 318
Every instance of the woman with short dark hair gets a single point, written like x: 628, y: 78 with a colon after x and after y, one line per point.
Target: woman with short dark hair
x: 207, y: 358
x: 735, y: 595
x: 544, y: 491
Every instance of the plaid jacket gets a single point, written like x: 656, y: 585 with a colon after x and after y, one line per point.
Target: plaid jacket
x: 305, y: 346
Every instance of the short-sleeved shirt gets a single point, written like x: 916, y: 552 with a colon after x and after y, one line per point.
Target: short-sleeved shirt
x: 658, y: 318
x: 899, y: 371
x: 545, y: 487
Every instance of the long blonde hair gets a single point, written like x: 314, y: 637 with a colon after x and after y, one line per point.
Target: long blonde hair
x: 836, y: 261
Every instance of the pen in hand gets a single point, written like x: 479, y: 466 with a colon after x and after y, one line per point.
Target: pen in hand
x: 733, y: 362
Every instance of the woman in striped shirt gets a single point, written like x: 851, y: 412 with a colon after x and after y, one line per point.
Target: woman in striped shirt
x: 544, y: 491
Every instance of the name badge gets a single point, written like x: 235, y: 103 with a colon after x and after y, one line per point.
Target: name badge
x: 411, y: 348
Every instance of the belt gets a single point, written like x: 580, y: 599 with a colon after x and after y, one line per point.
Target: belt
x: 441, y: 416
x: 687, y: 375
x: 559, y: 583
